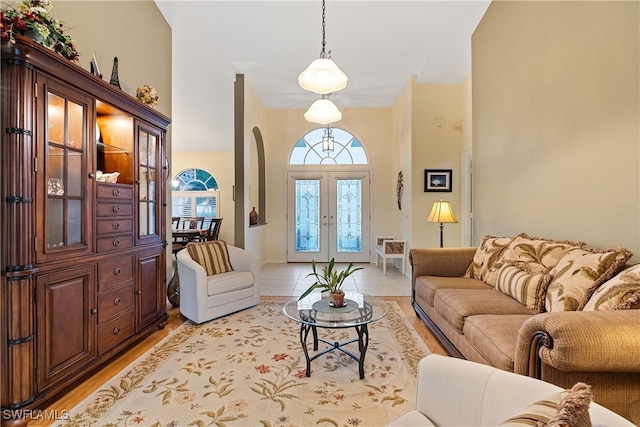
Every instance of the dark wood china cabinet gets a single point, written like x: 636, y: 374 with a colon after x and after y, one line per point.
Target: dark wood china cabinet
x: 82, y: 236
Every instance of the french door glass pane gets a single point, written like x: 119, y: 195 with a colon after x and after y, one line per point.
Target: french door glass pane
x: 349, y: 215
x: 307, y: 228
x: 144, y: 218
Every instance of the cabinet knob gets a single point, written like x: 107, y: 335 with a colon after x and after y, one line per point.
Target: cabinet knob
x: 94, y: 310
x: 116, y: 301
x: 117, y: 271
x: 116, y: 225
x: 116, y: 209
x: 116, y: 331
x: 116, y: 192
x: 92, y: 175
x: 138, y: 292
x: 116, y: 242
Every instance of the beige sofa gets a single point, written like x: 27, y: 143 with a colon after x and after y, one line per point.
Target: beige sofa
x: 556, y: 311
x: 454, y: 392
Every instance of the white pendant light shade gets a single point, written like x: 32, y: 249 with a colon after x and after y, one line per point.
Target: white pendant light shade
x: 323, y: 112
x: 322, y: 76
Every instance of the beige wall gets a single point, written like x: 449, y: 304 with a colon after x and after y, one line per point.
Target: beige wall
x: 556, y: 121
x: 434, y: 147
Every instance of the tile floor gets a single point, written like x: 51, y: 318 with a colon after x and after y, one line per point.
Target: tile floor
x: 290, y: 280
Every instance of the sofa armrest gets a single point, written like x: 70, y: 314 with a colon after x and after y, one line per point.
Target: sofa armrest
x: 588, y: 341
x: 444, y: 262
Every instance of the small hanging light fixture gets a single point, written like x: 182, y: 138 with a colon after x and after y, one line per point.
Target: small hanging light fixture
x: 327, y: 140
x: 323, y: 112
x: 323, y: 76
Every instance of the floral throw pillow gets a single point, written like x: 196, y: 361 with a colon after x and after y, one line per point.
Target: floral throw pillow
x: 536, y: 254
x: 578, y: 274
x: 620, y: 293
x: 525, y: 286
x: 487, y: 259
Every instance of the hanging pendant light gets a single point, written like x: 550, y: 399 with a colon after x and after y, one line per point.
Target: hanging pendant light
x: 323, y: 112
x: 323, y: 76
x: 327, y: 140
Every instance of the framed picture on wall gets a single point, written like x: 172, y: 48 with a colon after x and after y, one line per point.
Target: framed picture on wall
x: 437, y: 180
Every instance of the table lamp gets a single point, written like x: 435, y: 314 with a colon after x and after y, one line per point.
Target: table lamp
x: 441, y: 212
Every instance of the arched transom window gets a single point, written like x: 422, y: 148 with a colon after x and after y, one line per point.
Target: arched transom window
x: 344, y: 150
x: 195, y: 193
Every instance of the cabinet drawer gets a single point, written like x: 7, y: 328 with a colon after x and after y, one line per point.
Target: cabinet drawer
x: 114, y: 272
x: 115, y: 243
x: 115, y: 191
x: 110, y: 226
x: 115, y: 331
x: 114, y: 209
x: 114, y: 302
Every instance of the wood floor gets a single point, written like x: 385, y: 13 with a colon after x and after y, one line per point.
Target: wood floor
x: 92, y: 383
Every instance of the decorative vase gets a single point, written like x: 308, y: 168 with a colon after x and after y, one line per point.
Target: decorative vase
x: 253, y: 217
x: 34, y: 35
x: 337, y: 298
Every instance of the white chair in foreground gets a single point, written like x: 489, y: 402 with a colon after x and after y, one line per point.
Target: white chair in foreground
x: 457, y: 392
x: 388, y: 247
x: 205, y: 297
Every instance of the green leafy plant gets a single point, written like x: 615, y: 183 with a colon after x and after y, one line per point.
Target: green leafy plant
x: 33, y: 15
x: 329, y: 279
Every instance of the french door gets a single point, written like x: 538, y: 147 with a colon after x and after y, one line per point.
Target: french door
x: 328, y: 216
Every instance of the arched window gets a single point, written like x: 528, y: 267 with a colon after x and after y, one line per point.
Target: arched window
x: 195, y: 193
x: 312, y: 150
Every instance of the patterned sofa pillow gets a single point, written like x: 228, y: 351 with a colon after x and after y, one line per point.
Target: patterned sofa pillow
x: 619, y: 293
x: 537, y: 254
x: 487, y: 259
x: 525, y: 286
x: 212, y: 255
x: 579, y: 273
x: 565, y: 408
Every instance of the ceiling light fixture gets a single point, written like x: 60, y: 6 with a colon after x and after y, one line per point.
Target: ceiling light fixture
x: 327, y: 140
x: 323, y: 112
x: 323, y: 76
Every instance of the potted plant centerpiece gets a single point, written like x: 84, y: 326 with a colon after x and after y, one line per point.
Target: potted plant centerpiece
x: 330, y: 280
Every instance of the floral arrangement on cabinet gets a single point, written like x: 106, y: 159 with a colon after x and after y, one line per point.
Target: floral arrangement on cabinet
x: 147, y: 95
x: 31, y: 18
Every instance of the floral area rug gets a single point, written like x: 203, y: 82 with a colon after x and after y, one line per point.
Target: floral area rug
x: 248, y: 369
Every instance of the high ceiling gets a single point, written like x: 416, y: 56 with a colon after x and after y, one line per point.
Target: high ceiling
x: 378, y: 44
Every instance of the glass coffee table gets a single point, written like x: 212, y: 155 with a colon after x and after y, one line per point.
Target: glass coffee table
x: 314, y: 311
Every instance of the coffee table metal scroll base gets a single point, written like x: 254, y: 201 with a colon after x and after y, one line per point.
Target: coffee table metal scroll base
x: 362, y: 340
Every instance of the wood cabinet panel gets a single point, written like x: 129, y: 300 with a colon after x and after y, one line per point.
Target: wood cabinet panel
x: 82, y: 271
x: 66, y: 322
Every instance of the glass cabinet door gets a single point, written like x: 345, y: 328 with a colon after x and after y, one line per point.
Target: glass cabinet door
x: 65, y: 173
x: 149, y: 170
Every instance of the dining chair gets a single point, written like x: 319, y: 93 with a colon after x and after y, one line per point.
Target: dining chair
x: 213, y: 232
x: 175, y: 222
x: 192, y: 222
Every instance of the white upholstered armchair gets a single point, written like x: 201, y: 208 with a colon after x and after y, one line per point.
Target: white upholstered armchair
x: 203, y: 298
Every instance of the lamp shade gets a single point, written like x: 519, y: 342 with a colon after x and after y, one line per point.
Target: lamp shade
x: 323, y: 112
x: 442, y: 212
x: 322, y: 76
